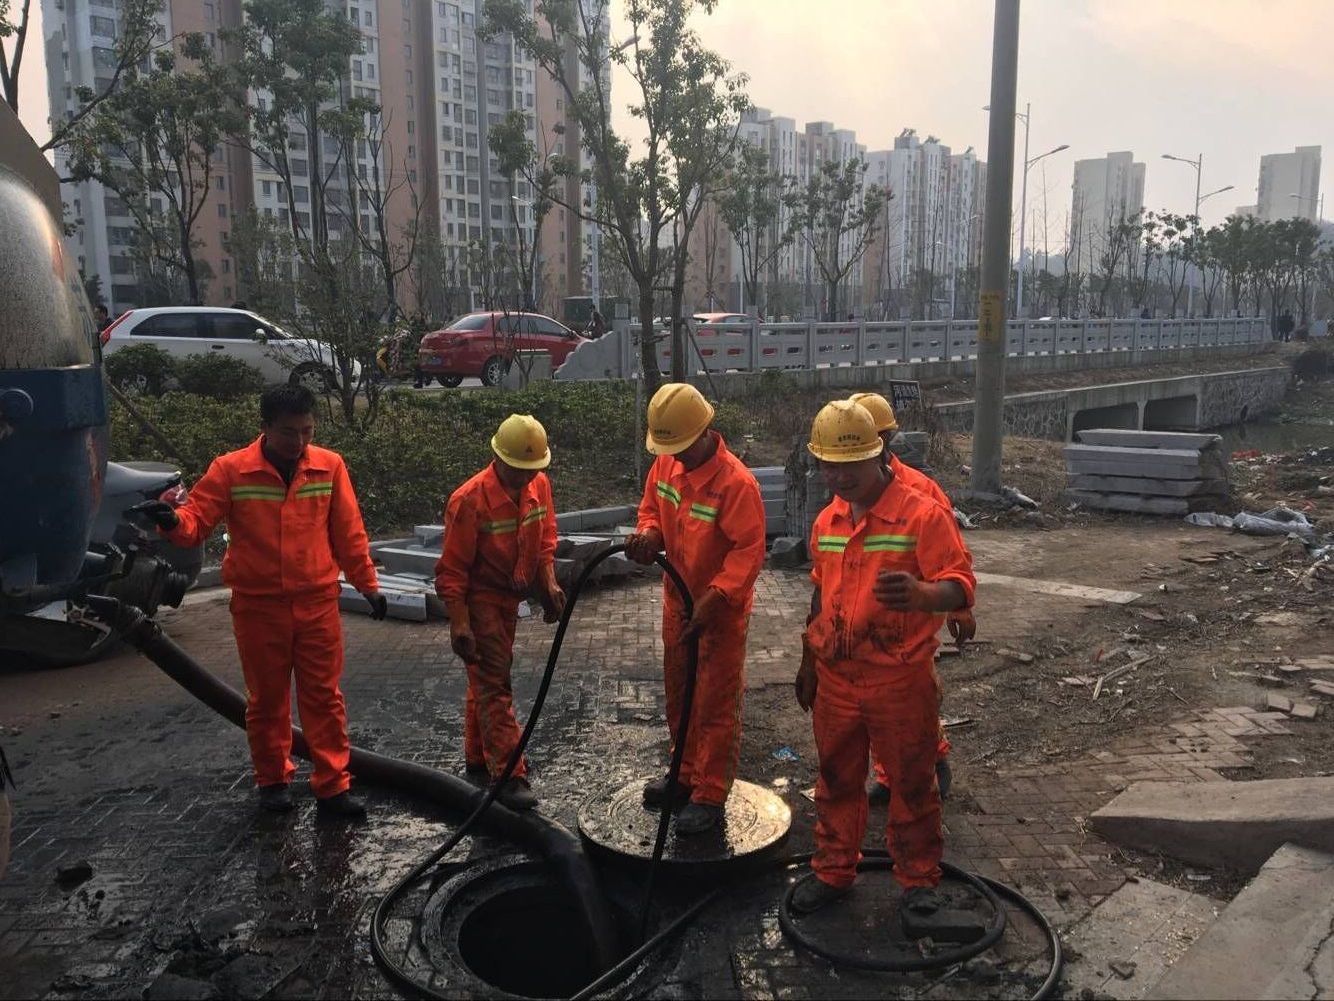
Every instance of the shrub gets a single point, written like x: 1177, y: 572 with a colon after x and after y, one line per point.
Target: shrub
x: 217, y: 377
x: 141, y: 369
x: 1313, y: 363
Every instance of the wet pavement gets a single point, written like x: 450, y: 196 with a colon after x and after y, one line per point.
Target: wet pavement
x: 193, y: 892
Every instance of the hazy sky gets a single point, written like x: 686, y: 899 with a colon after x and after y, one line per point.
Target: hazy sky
x: 1231, y: 79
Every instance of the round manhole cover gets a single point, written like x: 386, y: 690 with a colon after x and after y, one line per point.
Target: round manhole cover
x: 756, y: 825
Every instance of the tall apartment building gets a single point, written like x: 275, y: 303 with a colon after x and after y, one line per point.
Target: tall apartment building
x: 570, y: 247
x: 1289, y: 185
x: 80, y: 38
x: 1106, y: 191
x: 930, y: 236
x: 797, y: 154
x: 440, y: 87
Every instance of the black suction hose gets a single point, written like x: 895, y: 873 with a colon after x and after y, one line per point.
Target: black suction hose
x: 606, y: 953
x: 881, y: 860
x: 542, y: 835
x: 547, y: 837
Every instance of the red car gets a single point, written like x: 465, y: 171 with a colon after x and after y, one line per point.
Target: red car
x: 482, y: 345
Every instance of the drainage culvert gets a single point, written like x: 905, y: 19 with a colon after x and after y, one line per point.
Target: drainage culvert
x: 509, y: 927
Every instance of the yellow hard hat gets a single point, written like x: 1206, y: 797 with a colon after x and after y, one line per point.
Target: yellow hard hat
x: 844, y: 431
x: 879, y: 409
x: 521, y: 442
x: 677, y: 415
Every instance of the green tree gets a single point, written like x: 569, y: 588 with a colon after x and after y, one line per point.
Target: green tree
x: 641, y: 193
x: 525, y: 175
x: 155, y: 141
x: 836, y: 215
x: 751, y: 205
x: 137, y: 34
x: 305, y: 127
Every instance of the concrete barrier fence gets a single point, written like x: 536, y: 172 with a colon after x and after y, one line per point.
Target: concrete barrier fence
x: 758, y: 347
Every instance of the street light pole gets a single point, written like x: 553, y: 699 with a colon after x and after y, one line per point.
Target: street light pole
x: 1023, y: 215
x: 985, y: 478
x: 1198, y: 164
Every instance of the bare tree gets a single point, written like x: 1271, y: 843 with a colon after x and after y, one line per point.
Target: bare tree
x: 751, y: 206
x: 836, y: 214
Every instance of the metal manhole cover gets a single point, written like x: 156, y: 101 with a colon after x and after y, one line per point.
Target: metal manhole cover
x: 616, y: 821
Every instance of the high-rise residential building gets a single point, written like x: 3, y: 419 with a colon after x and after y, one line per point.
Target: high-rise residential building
x: 1107, y: 191
x: 793, y: 282
x: 930, y: 236
x: 571, y: 246
x: 1289, y: 185
x: 80, y: 40
x: 440, y: 86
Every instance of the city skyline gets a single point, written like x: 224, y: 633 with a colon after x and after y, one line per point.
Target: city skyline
x: 1101, y: 75
x: 1251, y: 88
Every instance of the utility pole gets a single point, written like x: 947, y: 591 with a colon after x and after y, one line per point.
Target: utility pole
x: 989, y: 403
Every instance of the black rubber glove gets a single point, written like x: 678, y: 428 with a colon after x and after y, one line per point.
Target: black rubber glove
x: 160, y: 513
x: 379, y: 604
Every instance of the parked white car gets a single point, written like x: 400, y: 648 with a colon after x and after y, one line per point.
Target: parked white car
x: 236, y: 333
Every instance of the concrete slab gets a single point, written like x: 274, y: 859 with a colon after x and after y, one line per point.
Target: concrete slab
x: 1147, y: 439
x: 1152, y: 486
x: 1275, y: 940
x: 1225, y: 824
x: 1121, y: 453
x: 1182, y: 470
x: 1059, y: 588
x: 429, y: 536
x: 409, y: 560
x: 408, y: 607
x: 1144, y: 927
x: 1142, y: 504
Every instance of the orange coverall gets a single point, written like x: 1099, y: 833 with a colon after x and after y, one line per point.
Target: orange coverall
x: 288, y: 543
x: 493, y: 554
x: 712, y: 523
x: 877, y: 686
x: 924, y: 484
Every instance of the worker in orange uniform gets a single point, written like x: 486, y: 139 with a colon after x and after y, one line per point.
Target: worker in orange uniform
x: 499, y: 546
x: 293, y: 522
x: 701, y: 506
x: 887, y: 564
x: 960, y: 622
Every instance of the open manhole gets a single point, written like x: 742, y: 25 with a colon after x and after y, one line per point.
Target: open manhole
x: 509, y: 928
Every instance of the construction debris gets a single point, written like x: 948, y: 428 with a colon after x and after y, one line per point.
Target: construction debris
x: 1148, y: 472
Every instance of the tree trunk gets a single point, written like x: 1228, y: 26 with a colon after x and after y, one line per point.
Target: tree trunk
x: 831, y: 310
x: 680, y: 349
x: 648, y: 354
x: 188, y: 264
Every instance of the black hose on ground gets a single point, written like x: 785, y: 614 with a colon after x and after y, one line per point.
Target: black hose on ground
x: 541, y: 835
x: 882, y: 860
x: 606, y: 953
x: 545, y: 836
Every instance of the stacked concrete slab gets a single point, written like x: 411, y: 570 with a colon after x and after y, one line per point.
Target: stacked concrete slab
x: 773, y: 491
x: 1147, y: 472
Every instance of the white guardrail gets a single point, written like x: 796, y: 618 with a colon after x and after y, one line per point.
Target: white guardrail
x: 755, y: 347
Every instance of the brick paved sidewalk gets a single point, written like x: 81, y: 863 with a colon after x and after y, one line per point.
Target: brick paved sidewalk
x: 119, y: 768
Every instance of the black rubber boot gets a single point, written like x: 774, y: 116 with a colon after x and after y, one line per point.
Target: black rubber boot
x: 655, y: 793
x: 697, y: 818
x: 517, y: 794
x: 344, y: 805
x: 276, y: 798
x: 476, y: 771
x: 814, y: 893
x: 878, y: 794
